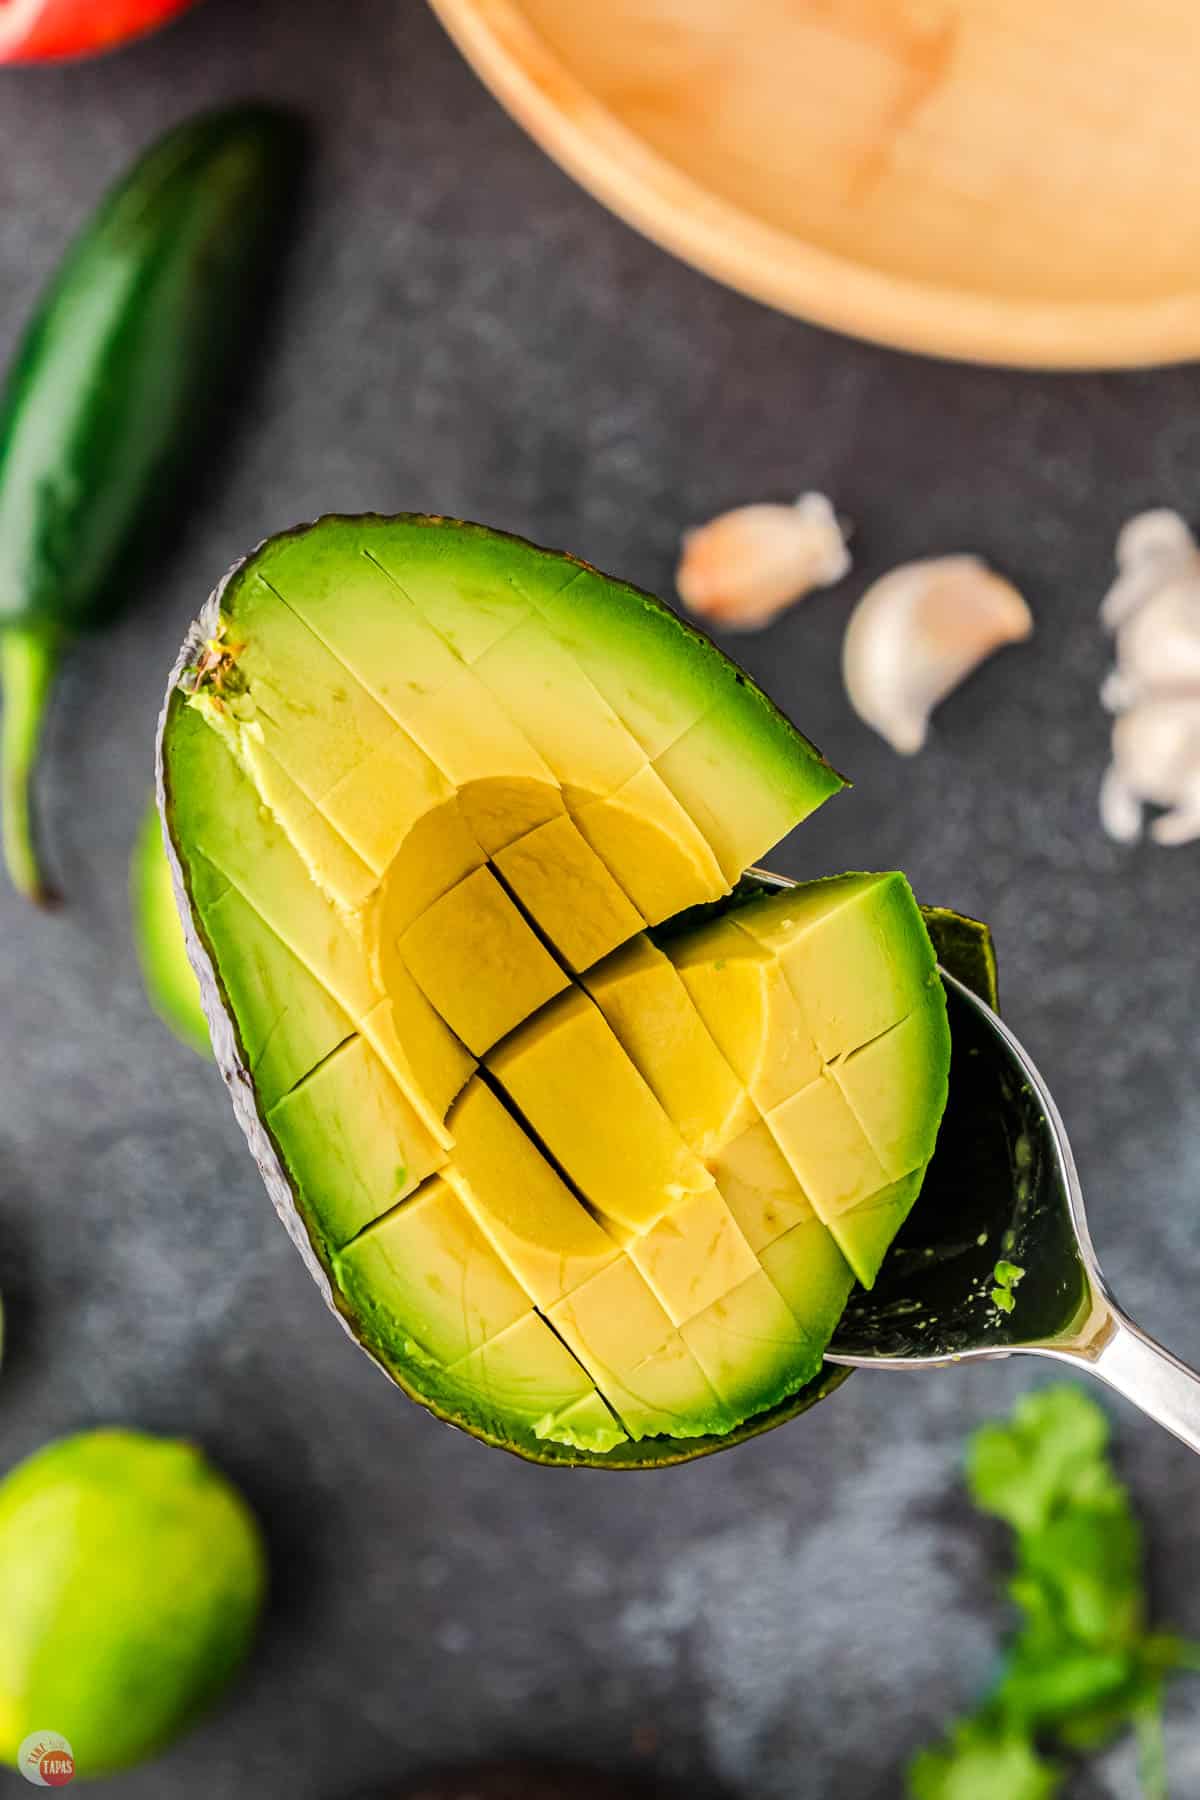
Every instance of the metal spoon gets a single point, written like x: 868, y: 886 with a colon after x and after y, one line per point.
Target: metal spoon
x: 1003, y: 1185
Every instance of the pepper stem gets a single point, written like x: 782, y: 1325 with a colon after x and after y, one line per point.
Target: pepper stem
x: 28, y: 660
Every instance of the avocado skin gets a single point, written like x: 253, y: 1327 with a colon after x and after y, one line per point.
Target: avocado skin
x: 964, y: 947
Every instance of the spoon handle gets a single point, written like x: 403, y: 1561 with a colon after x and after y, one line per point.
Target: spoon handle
x: 1157, y: 1382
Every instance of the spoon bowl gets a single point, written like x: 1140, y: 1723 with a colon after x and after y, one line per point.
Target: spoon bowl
x: 1001, y: 1187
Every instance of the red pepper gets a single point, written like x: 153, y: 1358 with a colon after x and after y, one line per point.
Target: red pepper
x: 41, y: 30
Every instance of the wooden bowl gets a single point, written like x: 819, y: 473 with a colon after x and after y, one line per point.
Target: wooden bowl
x: 1010, y: 181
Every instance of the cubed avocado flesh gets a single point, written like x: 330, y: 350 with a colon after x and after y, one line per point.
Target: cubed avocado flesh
x: 651, y: 1014
x: 568, y: 1076
x: 556, y: 876
x: 479, y: 962
x: 741, y: 992
x: 593, y: 1199
x: 354, y: 1141
x: 548, y: 1238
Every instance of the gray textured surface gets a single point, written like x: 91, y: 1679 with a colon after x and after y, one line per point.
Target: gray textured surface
x: 467, y: 332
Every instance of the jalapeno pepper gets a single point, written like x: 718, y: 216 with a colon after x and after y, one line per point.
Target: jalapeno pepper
x: 110, y: 391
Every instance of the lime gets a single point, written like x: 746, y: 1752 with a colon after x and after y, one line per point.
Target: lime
x: 158, y: 933
x: 132, y: 1575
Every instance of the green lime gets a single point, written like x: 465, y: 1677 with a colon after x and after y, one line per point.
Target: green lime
x: 158, y: 933
x: 132, y: 1576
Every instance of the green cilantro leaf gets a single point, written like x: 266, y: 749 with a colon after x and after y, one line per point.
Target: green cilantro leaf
x: 1023, y: 1470
x: 983, y: 1762
x: 1083, y: 1665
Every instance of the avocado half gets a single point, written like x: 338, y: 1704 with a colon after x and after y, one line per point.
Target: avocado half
x: 585, y: 1140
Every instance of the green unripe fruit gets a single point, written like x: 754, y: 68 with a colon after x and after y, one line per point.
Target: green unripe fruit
x: 132, y: 1576
x: 158, y: 933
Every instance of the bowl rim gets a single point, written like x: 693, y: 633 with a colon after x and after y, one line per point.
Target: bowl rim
x: 648, y: 191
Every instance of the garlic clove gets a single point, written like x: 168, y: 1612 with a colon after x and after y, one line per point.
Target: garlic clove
x: 917, y: 633
x: 1158, y: 645
x: 744, y: 568
x: 1159, y: 536
x: 1152, y: 549
x: 1154, y: 609
x: 1155, y: 755
x: 1116, y: 692
x: 1128, y: 594
x: 1156, y: 762
x: 1120, y: 807
x: 1181, y: 825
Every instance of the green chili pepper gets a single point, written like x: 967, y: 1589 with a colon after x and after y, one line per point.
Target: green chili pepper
x: 110, y: 391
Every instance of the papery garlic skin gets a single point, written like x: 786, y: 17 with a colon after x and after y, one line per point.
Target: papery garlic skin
x: 917, y: 633
x: 743, y: 569
x: 1153, y: 608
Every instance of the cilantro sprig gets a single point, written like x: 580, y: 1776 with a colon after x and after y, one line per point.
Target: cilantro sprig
x: 1083, y: 1665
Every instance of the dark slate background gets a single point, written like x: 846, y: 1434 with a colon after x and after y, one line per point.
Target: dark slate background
x: 467, y: 332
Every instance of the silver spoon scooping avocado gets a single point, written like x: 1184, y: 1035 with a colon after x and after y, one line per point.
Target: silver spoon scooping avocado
x: 996, y: 1258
